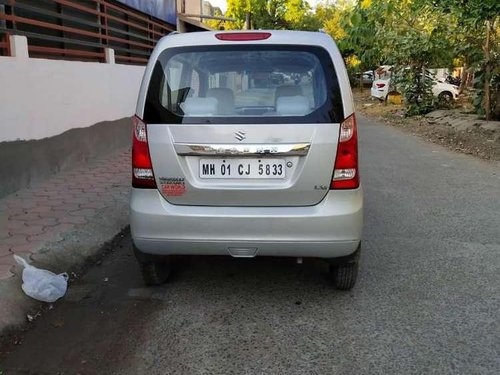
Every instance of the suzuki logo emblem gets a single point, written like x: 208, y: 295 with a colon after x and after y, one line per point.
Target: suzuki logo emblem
x: 239, y: 135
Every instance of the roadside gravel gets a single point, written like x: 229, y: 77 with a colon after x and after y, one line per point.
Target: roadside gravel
x: 454, y: 129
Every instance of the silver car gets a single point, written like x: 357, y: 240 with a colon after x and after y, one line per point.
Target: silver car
x: 229, y: 160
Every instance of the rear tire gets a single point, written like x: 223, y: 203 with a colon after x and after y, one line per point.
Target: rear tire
x: 155, y: 269
x: 344, y: 271
x: 155, y: 273
x: 344, y: 276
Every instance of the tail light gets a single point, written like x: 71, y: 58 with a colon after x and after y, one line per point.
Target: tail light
x: 346, y: 172
x: 142, y: 169
x: 380, y: 85
x: 242, y: 37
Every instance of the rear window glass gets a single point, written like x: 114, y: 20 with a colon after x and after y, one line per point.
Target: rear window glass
x: 243, y: 84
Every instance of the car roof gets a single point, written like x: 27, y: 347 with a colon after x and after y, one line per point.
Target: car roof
x: 287, y: 37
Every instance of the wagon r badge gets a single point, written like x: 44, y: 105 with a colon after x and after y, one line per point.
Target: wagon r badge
x: 239, y: 135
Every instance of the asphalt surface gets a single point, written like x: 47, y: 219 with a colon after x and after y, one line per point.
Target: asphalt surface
x: 427, y: 299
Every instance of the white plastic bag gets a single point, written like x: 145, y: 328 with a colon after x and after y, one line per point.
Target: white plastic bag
x: 40, y: 284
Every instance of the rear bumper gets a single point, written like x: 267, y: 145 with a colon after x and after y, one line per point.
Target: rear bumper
x: 329, y: 229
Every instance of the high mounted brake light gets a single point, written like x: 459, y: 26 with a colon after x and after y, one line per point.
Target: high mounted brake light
x: 142, y: 168
x: 346, y: 171
x: 242, y: 37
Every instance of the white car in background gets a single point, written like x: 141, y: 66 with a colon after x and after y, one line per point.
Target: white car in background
x: 441, y: 90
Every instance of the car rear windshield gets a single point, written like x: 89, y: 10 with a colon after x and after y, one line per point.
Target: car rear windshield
x: 243, y: 84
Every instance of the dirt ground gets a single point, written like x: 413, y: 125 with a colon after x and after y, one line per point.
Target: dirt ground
x: 474, y: 140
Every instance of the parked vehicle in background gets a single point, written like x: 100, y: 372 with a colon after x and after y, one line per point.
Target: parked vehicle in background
x: 367, y: 77
x: 445, y: 91
x: 440, y: 89
x: 453, y: 80
x: 227, y: 160
x: 364, y: 78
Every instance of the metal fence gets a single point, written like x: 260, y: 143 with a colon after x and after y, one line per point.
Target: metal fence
x: 81, y: 29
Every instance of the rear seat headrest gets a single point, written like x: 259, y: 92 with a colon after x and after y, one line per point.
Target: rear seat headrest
x: 292, y: 106
x: 225, y: 98
x: 199, y: 106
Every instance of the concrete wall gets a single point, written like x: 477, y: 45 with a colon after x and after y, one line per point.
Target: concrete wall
x: 55, y: 114
x: 189, y: 6
x: 42, y: 98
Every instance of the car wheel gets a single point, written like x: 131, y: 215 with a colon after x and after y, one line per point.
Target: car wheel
x: 155, y: 273
x: 344, y: 271
x: 155, y: 269
x: 445, y: 96
x: 344, y: 276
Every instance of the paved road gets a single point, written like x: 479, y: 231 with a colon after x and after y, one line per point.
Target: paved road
x: 427, y: 301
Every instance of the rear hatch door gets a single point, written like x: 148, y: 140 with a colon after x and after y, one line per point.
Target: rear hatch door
x: 253, y: 125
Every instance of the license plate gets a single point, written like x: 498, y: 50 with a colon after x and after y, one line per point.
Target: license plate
x: 242, y: 168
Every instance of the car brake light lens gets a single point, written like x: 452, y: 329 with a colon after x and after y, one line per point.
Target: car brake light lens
x: 380, y: 85
x: 142, y: 169
x: 346, y: 172
x: 242, y: 37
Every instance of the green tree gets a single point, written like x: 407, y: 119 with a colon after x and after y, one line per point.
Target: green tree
x: 351, y: 24
x: 216, y: 24
x: 418, y: 34
x: 476, y: 34
x: 412, y: 35
x: 272, y: 14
